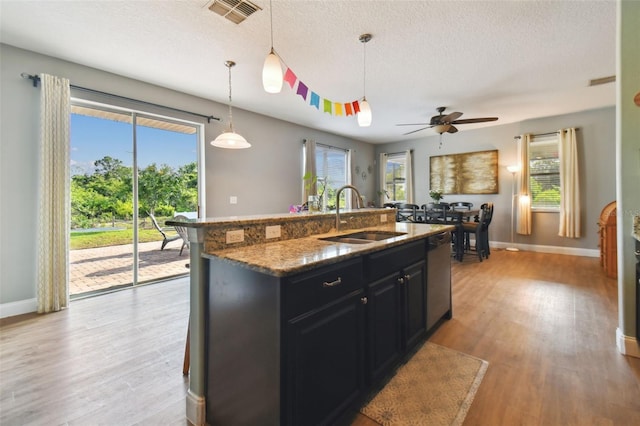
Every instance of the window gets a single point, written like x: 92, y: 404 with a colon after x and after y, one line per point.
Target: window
x: 331, y: 169
x: 544, y: 173
x: 395, y: 178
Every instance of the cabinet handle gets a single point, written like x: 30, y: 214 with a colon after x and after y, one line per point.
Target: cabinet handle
x: 401, y: 280
x: 364, y: 300
x: 332, y: 283
x: 407, y: 277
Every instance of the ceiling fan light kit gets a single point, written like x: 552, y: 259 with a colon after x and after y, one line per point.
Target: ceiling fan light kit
x: 445, y: 123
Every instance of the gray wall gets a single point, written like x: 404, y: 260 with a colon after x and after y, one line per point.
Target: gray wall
x: 596, y: 144
x: 266, y: 178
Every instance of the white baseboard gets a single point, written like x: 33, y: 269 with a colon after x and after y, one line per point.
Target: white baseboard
x: 574, y: 251
x: 18, y: 308
x: 196, y: 413
x: 627, y: 345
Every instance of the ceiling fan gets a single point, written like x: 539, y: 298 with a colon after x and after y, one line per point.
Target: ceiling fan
x: 445, y: 123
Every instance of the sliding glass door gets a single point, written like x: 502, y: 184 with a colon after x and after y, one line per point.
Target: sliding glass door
x: 130, y: 172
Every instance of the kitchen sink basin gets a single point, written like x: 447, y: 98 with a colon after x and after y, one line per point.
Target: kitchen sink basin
x: 363, y: 237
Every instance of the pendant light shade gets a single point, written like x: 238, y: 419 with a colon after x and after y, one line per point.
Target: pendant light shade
x: 229, y: 139
x: 272, y: 73
x: 364, y: 116
x: 271, y: 70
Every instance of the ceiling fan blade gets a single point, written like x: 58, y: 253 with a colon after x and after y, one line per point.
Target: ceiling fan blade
x: 413, y: 124
x: 474, y: 120
x: 452, y: 129
x: 450, y: 117
x: 413, y: 131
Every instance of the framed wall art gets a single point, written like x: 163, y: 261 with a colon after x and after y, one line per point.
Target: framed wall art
x: 468, y: 173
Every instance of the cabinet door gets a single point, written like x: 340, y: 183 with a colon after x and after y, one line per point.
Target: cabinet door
x: 415, y: 302
x: 384, y: 326
x: 325, y: 352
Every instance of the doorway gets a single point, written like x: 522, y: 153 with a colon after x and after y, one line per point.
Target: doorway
x: 128, y: 168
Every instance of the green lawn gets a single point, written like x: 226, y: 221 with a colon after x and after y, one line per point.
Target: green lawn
x: 83, y: 240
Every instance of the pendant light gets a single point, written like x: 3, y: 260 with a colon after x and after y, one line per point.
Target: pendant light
x: 272, y: 71
x: 364, y: 116
x: 229, y: 139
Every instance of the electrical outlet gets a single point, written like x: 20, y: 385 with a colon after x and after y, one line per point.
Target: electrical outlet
x: 273, y: 231
x: 233, y: 200
x: 383, y: 218
x: 235, y: 236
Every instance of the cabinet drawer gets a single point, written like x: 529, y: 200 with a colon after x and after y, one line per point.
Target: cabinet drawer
x: 310, y: 290
x: 391, y: 261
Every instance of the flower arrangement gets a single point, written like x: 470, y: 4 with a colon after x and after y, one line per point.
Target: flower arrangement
x: 436, y: 195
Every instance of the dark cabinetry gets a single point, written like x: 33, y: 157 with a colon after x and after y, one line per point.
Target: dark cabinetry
x: 325, y: 343
x: 300, y: 350
x: 397, y: 305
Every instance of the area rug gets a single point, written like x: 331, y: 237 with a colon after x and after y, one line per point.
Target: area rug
x: 435, y: 387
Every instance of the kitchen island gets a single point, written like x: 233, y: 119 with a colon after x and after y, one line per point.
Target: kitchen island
x: 296, y: 330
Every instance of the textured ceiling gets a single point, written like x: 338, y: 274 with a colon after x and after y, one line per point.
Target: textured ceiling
x: 512, y: 59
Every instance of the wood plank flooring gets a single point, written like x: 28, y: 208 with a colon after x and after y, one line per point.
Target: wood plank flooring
x: 546, y: 324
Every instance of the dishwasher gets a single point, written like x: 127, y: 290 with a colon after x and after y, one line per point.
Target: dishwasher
x: 438, y: 278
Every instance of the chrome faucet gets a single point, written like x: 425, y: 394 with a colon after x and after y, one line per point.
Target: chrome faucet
x: 359, y: 202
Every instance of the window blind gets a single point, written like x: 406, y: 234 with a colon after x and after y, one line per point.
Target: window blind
x: 544, y: 173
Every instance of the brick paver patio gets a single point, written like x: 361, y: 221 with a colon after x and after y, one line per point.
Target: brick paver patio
x: 105, y: 267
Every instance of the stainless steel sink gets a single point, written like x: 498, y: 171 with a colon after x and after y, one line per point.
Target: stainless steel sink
x: 363, y: 237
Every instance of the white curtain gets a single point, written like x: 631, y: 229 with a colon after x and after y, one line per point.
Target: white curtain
x: 309, y: 168
x: 53, y: 226
x: 569, y: 185
x: 523, y: 223
x: 351, y: 201
x: 408, y: 170
x: 382, y: 173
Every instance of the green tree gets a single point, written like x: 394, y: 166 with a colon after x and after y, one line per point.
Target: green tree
x: 157, y: 187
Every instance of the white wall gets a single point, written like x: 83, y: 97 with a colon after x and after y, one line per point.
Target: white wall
x: 266, y: 178
x: 596, y: 144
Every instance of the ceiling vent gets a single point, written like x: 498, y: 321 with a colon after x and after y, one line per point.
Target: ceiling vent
x: 234, y: 10
x: 603, y: 80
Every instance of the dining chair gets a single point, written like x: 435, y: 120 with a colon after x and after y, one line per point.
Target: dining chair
x: 436, y: 213
x: 481, y: 231
x: 406, y: 212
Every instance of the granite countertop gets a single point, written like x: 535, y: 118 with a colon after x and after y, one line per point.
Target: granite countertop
x: 282, y: 258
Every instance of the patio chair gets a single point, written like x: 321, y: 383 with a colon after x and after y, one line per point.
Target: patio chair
x: 182, y: 232
x: 166, y: 239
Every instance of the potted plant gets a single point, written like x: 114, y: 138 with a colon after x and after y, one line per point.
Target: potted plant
x: 436, y: 195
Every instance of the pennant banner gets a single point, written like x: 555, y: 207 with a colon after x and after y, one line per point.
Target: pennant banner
x: 315, y: 100
x: 290, y: 77
x: 302, y: 90
x: 333, y: 108
x: 327, y: 106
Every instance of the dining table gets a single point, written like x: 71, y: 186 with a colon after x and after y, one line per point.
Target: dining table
x: 451, y: 217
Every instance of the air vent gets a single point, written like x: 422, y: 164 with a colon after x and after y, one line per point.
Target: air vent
x: 603, y: 80
x: 234, y: 10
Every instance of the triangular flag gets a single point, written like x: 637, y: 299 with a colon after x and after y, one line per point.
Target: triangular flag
x: 302, y: 90
x: 356, y: 107
x: 337, y: 108
x: 347, y: 107
x: 315, y: 100
x: 327, y: 106
x: 290, y: 77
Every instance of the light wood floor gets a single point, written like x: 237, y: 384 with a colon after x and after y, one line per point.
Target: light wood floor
x: 546, y: 324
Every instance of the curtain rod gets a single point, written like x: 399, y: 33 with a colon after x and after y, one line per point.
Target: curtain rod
x: 396, y: 153
x: 543, y: 134
x: 36, y: 79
